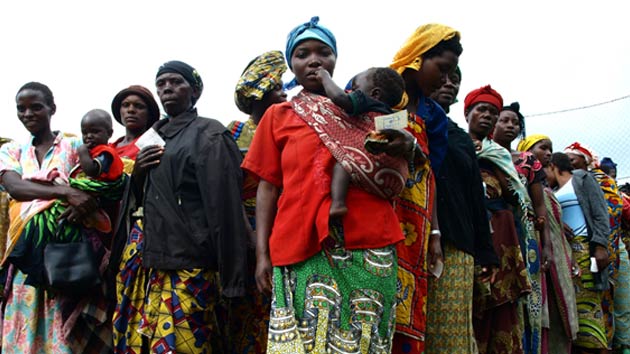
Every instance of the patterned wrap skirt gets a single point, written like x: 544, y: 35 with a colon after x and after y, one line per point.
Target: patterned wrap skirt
x: 592, y: 325
x: 166, y: 311
x: 338, y: 301
x: 450, y: 305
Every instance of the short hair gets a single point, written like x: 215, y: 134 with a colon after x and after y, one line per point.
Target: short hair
x: 391, y: 83
x: 452, y: 45
x: 561, y: 161
x: 625, y: 188
x: 38, y: 86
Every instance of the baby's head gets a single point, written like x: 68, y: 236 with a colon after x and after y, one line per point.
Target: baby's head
x: 381, y: 83
x: 96, y: 128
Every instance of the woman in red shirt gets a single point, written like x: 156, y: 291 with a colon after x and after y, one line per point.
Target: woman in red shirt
x: 333, y: 285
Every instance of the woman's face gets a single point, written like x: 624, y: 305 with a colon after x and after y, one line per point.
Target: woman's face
x: 134, y: 113
x: 307, y: 57
x: 577, y: 161
x: 33, y: 111
x: 481, y: 119
x: 175, y: 93
x: 446, y: 94
x: 277, y: 95
x: 434, y: 72
x: 507, y: 127
x: 542, y: 151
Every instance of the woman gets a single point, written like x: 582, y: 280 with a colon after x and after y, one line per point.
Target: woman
x: 617, y: 300
x: 584, y: 211
x: 37, y: 320
x: 334, y: 286
x: 193, y: 225
x: 424, y: 61
x: 499, y: 314
x: 259, y: 86
x: 136, y: 109
x: 511, y: 124
x: 560, y: 326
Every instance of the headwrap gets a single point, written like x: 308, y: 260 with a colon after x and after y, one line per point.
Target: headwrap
x: 188, y: 72
x: 259, y: 77
x: 527, y: 143
x: 483, y: 94
x: 422, y: 40
x: 309, y: 30
x: 589, y: 155
x: 607, y: 161
x: 147, y: 97
x: 516, y: 108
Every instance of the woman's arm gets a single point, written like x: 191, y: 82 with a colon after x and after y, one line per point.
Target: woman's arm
x: 266, y: 208
x: 25, y: 190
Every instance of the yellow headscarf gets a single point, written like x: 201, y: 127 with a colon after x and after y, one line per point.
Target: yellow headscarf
x: 424, y: 38
x: 528, y: 142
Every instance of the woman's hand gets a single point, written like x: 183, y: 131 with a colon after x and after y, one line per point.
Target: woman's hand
x: 147, y: 158
x: 263, y: 273
x: 488, y: 274
x: 547, y: 258
x: 80, y: 204
x: 601, y: 256
x: 435, y: 255
x: 401, y: 142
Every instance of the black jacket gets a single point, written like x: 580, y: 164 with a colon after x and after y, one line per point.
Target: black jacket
x: 461, y: 209
x: 192, y: 202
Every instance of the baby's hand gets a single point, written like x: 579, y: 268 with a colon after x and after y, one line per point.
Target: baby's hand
x: 322, y: 74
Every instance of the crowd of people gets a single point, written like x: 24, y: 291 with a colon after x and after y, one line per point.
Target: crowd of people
x: 305, y: 229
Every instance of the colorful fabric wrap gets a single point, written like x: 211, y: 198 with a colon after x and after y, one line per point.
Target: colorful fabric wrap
x: 261, y: 76
x: 528, y: 142
x: 344, y: 136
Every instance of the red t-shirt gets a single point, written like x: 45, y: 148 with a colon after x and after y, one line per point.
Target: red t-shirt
x: 287, y: 153
x: 129, y: 151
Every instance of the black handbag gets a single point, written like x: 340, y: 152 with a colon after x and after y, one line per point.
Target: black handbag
x: 70, y: 267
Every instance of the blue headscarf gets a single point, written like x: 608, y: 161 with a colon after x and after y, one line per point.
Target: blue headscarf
x: 309, y: 30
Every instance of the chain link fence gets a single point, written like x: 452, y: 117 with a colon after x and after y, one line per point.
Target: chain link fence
x: 603, y: 127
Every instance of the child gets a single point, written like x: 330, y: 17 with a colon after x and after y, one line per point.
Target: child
x: 374, y: 90
x: 97, y: 159
x: 103, y: 167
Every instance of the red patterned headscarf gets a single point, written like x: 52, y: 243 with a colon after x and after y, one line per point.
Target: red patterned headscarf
x: 589, y: 155
x: 483, y: 94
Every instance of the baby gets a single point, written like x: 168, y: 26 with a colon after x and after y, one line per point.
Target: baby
x: 97, y: 159
x: 374, y: 90
x: 100, y: 169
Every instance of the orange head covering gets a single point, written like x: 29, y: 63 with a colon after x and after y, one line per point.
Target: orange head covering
x: 483, y: 94
x: 424, y: 38
x: 528, y: 142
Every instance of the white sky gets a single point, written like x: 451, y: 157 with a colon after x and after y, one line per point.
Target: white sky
x: 548, y: 55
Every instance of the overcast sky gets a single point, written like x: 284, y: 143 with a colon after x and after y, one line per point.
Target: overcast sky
x: 548, y: 55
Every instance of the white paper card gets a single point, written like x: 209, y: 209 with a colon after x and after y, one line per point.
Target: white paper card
x: 594, y: 268
x: 150, y: 137
x: 396, y: 120
x: 437, y: 269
